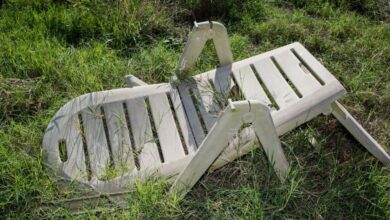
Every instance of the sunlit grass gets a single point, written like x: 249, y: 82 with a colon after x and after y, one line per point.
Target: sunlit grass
x: 51, y: 52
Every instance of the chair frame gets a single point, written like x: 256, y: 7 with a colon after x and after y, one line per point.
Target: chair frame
x: 215, y: 31
x: 267, y: 125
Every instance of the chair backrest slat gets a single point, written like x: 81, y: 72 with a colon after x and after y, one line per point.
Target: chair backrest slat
x: 96, y: 141
x: 119, y: 137
x: 164, y: 122
x: 192, y: 114
x: 273, y: 80
x: 249, y: 85
x: 304, y: 82
x: 183, y: 122
x: 144, y: 141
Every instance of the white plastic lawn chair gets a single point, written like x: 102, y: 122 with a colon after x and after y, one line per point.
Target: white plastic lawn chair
x: 179, y: 129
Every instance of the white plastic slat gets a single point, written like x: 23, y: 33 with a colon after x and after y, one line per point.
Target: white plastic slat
x: 183, y: 122
x: 165, y: 125
x: 304, y: 82
x: 96, y: 141
x: 207, y: 105
x: 273, y: 80
x: 249, y: 84
x: 74, y: 166
x: 119, y: 136
x: 210, y: 95
x: 192, y: 115
x: 144, y: 142
x: 314, y: 64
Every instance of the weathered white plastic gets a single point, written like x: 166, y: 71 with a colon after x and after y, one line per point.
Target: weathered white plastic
x: 232, y: 118
x: 350, y: 123
x: 318, y: 97
x: 197, y: 39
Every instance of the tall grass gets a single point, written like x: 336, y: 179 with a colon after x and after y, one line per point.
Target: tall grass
x: 52, y: 51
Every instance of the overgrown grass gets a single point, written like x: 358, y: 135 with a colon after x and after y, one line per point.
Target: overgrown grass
x: 52, y: 51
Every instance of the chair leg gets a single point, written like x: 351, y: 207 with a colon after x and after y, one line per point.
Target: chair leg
x: 266, y: 132
x: 227, y: 125
x: 359, y: 132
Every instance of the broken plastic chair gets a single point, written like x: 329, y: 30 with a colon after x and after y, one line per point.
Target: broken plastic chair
x: 110, y: 139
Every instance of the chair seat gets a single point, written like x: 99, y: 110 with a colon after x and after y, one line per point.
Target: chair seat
x: 285, y: 78
x: 109, y: 139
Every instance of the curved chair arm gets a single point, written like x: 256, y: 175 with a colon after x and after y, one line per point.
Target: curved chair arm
x: 197, y: 39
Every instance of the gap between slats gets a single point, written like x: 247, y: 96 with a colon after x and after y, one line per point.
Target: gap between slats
x: 308, y: 68
x: 173, y: 110
x: 165, y: 125
x: 141, y: 130
x: 88, y: 161
x: 106, y: 133
x: 265, y: 89
x: 191, y: 114
x: 154, y: 130
x: 294, y: 88
x: 129, y: 127
x: 236, y: 93
x: 85, y: 148
x: 196, y: 103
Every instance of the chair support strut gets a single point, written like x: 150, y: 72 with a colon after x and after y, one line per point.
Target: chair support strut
x: 227, y: 126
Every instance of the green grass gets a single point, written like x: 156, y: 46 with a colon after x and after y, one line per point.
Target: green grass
x: 52, y: 51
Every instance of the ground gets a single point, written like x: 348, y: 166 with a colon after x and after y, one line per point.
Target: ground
x: 52, y: 51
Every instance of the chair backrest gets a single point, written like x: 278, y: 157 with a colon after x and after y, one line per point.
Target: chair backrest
x: 105, y: 135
